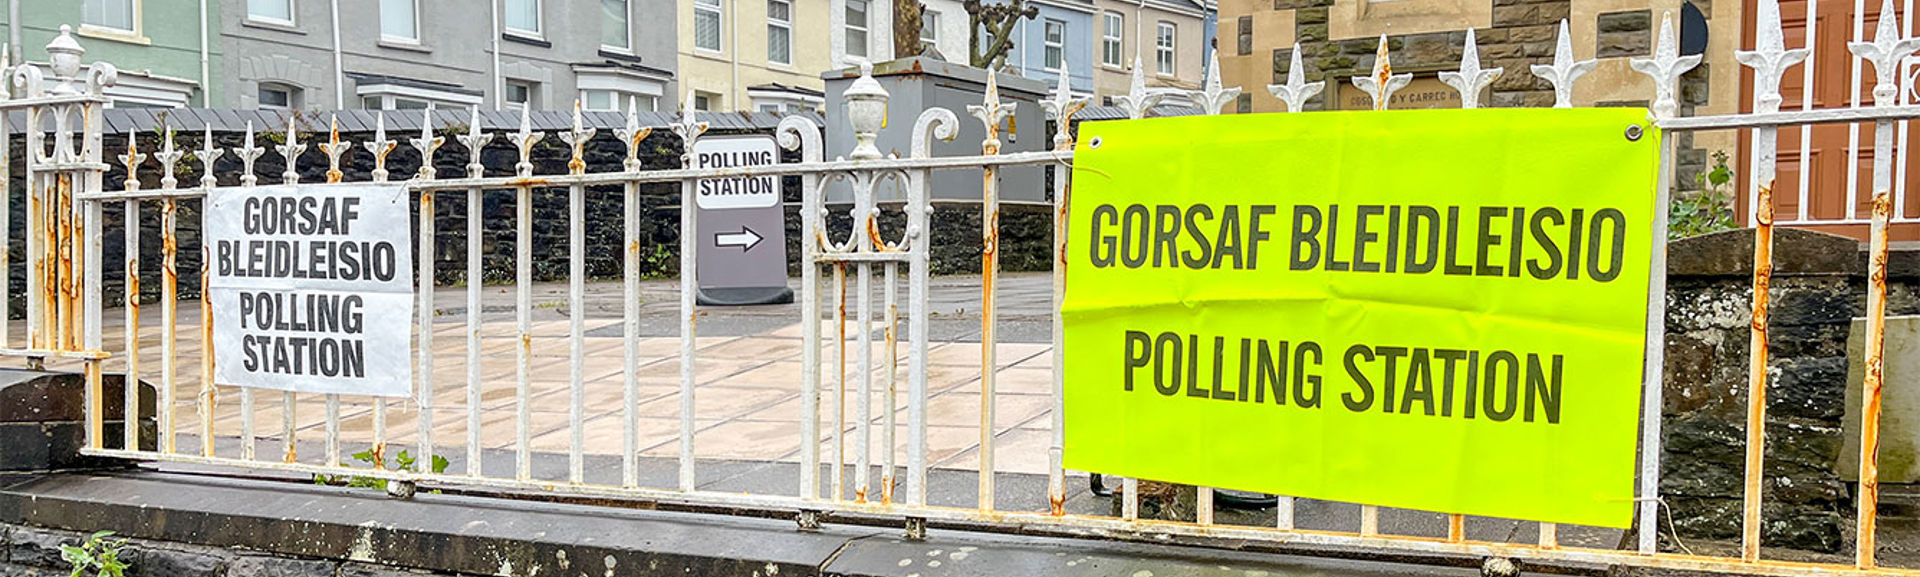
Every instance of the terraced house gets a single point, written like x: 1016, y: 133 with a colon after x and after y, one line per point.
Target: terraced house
x: 168, y: 57
x: 399, y: 54
x: 1171, y: 38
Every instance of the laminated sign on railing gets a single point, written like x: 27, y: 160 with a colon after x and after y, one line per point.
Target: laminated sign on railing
x: 312, y: 288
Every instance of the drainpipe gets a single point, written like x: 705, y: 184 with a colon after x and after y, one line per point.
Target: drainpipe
x: 13, y: 31
x: 493, y: 39
x: 339, y: 74
x: 733, y: 56
x: 206, y: 78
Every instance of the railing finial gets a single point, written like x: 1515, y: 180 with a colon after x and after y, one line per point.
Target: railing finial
x: 577, y: 139
x: 291, y: 151
x: 1297, y: 91
x: 1212, y: 98
x: 132, y: 160
x: 1565, y: 70
x: 248, y: 153
x: 866, y: 102
x: 1137, y: 101
x: 1886, y: 51
x: 990, y: 111
x: 1061, y: 109
x: 333, y: 148
x: 427, y: 143
x: 632, y: 134
x: 1665, y: 68
x: 1770, y: 59
x: 167, y: 157
x: 380, y: 146
x: 524, y: 141
x: 475, y: 140
x: 208, y: 153
x: 1382, y: 83
x: 1471, y: 79
x: 689, y: 129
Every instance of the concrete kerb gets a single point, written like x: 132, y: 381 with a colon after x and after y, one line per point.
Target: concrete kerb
x: 240, y: 527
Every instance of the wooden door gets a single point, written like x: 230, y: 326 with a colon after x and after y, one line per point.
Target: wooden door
x: 1825, y: 157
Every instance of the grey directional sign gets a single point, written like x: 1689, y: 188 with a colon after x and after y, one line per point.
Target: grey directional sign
x: 742, y: 227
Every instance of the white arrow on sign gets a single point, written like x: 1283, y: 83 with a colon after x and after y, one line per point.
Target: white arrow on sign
x: 746, y: 239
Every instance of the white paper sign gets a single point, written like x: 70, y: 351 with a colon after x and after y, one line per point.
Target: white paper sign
x: 312, y: 288
x: 739, y: 191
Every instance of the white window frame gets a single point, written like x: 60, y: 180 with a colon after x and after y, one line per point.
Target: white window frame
x: 530, y: 87
x: 626, y: 9
x: 539, y: 20
x: 785, y: 102
x: 865, y: 26
x: 133, y: 21
x: 786, y: 24
x: 1113, y: 37
x: 388, y: 94
x: 293, y: 14
x: 929, y: 27
x: 293, y: 96
x: 624, y: 86
x: 415, y: 38
x: 1053, y: 52
x: 719, y: 11
x: 1166, y: 43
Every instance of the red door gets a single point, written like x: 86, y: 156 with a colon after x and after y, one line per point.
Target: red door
x: 1823, y: 162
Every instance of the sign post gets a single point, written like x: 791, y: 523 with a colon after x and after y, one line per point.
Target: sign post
x: 1440, y: 310
x: 743, y: 231
x: 312, y: 288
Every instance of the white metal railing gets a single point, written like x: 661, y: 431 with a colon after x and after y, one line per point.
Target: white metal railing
x: 66, y: 196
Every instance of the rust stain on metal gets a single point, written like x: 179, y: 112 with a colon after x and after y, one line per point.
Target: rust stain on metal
x: 207, y: 397
x: 886, y: 488
x: 1757, y: 374
x: 333, y: 144
x: 873, y: 235
x: 633, y: 146
x: 1867, y: 503
x: 527, y: 181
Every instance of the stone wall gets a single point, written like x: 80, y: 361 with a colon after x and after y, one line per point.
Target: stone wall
x: 1523, y: 33
x: 956, y: 230
x: 1819, y: 286
x: 34, y: 552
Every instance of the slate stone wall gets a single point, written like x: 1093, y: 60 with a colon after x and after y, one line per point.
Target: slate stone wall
x: 1027, y: 232
x: 1819, y: 286
x: 35, y: 552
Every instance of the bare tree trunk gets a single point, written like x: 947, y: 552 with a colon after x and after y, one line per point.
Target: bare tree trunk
x: 906, y: 28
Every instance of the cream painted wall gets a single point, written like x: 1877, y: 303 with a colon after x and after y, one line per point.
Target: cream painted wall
x: 743, y: 49
x: 1272, y: 30
x: 1141, y: 23
x: 1364, y: 18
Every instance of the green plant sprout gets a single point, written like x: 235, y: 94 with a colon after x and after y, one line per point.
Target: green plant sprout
x: 402, y: 462
x: 98, y: 554
x: 1710, y: 209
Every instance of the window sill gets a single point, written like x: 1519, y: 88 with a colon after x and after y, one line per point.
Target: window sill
x: 276, y: 26
x: 1113, y: 68
x: 403, y: 45
x: 525, y: 38
x: 114, y: 34
x: 617, y: 54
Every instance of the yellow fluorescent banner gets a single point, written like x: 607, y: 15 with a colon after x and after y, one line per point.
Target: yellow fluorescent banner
x: 1440, y: 310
